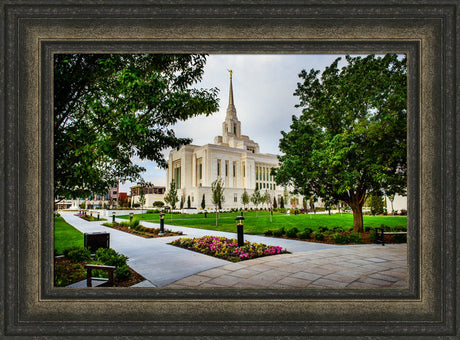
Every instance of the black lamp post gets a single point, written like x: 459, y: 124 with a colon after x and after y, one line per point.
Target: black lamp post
x: 131, y: 216
x: 162, y: 224
x: 239, y: 229
x: 113, y: 217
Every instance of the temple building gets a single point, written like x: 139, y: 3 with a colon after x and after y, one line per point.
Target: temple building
x: 233, y: 157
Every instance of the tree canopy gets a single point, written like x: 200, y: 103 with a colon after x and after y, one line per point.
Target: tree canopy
x: 350, y: 139
x: 111, y: 108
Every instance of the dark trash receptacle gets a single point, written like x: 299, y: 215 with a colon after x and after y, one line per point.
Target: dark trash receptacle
x: 97, y: 240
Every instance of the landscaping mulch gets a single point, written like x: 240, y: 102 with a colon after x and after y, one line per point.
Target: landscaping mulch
x: 144, y: 234
x: 71, y: 272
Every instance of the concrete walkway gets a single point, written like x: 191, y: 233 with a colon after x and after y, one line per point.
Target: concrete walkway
x: 309, y: 264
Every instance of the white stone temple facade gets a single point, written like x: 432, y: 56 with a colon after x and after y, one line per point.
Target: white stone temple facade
x: 233, y: 157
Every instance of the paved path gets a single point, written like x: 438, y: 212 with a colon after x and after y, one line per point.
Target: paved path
x: 310, y: 264
x: 344, y: 267
x: 158, y: 262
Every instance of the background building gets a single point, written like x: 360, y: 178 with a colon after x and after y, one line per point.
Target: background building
x: 152, y: 194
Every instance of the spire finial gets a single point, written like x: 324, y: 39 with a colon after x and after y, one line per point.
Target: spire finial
x: 230, y: 71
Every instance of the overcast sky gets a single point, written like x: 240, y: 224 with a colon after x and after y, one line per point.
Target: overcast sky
x: 263, y: 87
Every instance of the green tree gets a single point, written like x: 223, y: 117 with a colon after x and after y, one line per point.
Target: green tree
x: 257, y: 198
x: 110, y: 108
x: 189, y: 203
x: 245, y: 199
x: 142, y: 199
x: 350, y: 139
x: 218, y: 197
x: 282, y: 202
x: 376, y: 203
x: 203, y: 202
x: 267, y: 199
x: 275, y: 204
x: 182, y: 201
x: 171, y: 197
x: 285, y: 192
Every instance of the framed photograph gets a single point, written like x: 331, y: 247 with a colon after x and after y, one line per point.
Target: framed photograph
x: 34, y: 34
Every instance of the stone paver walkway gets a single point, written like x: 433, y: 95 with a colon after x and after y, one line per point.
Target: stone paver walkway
x: 312, y: 265
x: 345, y: 267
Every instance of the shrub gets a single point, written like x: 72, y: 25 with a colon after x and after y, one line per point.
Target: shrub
x: 338, y: 230
x: 367, y: 229
x: 403, y: 212
x: 283, y: 231
x: 319, y: 236
x: 399, y: 228
x: 158, y: 204
x: 400, y: 238
x: 278, y: 233
x: 268, y: 233
x: 355, y: 238
x: 122, y: 273
x: 134, y: 223
x: 308, y: 230
x: 77, y: 254
x: 303, y: 235
x: 153, y: 211
x: 125, y: 224
x: 340, y: 238
x: 373, y: 235
x: 323, y: 229
x: 292, y: 233
x: 110, y: 257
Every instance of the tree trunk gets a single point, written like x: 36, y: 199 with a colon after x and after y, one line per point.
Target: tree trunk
x: 357, y: 217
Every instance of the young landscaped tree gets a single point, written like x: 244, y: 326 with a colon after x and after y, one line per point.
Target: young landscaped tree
x: 189, y: 203
x: 282, y: 202
x: 218, y: 197
x: 171, y: 197
x: 142, y: 199
x: 245, y: 199
x: 203, y: 202
x: 257, y: 198
x: 350, y: 139
x: 111, y: 108
x: 275, y: 204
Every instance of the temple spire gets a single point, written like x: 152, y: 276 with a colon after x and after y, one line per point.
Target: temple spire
x: 231, y: 110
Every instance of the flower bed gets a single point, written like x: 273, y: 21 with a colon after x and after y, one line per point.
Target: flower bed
x: 227, y: 249
x: 90, y: 218
x: 140, y: 230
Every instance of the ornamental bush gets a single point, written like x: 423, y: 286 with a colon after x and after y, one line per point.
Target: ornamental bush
x: 355, y: 238
x: 292, y: 233
x: 278, y: 233
x: 122, y: 273
x: 341, y: 238
x: 110, y: 257
x: 319, y: 236
x: 77, y: 254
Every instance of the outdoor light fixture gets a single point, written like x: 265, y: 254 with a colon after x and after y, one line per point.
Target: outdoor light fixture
x: 113, y: 216
x: 162, y: 224
x: 131, y: 216
x: 239, y: 228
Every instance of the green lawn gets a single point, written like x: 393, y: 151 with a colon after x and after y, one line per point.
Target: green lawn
x: 261, y: 223
x: 65, y: 236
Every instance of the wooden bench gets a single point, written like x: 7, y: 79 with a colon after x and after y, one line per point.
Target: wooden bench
x: 380, y: 234
x: 96, y: 281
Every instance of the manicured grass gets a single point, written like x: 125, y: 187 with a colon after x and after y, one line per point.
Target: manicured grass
x: 261, y: 223
x: 65, y: 236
